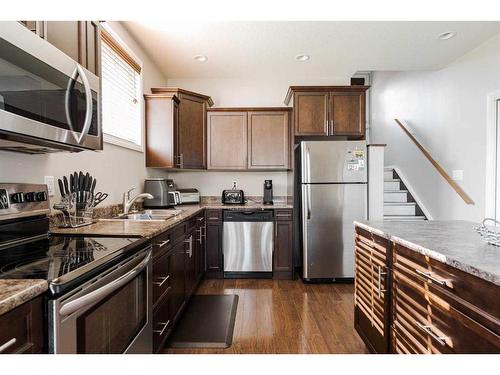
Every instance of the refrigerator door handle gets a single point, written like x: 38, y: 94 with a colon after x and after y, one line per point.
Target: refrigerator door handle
x: 308, y: 188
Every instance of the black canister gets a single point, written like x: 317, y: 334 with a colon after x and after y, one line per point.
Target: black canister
x: 268, y: 192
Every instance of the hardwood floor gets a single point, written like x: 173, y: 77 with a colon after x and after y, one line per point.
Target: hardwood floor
x: 282, y: 316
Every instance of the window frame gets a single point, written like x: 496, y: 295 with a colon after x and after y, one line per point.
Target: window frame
x: 112, y: 139
x: 492, y: 149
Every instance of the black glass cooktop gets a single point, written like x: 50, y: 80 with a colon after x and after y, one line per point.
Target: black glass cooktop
x: 61, y: 260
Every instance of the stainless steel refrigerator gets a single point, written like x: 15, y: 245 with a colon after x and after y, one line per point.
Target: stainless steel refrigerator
x: 333, y: 193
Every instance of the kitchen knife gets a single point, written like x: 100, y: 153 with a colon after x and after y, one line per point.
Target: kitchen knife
x: 71, y: 183
x: 66, y: 188
x: 75, y: 180
x: 87, y: 188
x: 85, y: 183
x: 61, y: 187
x: 93, y: 187
x: 80, y: 186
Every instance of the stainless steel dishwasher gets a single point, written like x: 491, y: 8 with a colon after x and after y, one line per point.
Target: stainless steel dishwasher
x: 248, y: 243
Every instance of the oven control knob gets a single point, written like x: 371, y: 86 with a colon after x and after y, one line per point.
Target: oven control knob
x: 29, y: 197
x: 41, y: 196
x: 17, y: 198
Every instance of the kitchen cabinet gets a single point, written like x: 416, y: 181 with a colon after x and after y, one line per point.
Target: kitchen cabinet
x: 23, y: 328
x: 371, y: 290
x: 227, y: 140
x: 268, y: 139
x: 283, y: 245
x: 80, y: 40
x: 328, y: 110
x: 200, y: 234
x: 213, y: 246
x: 249, y: 138
x: 186, y: 140
x: 406, y: 302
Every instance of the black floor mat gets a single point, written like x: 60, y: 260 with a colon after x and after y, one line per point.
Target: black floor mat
x: 208, y: 322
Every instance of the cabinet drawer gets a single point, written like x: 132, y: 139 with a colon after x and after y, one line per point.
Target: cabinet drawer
x: 162, y: 243
x: 161, y: 278
x: 456, y: 287
x: 22, y: 328
x: 213, y: 215
x: 179, y: 232
x: 162, y: 325
x: 285, y: 215
x: 426, y: 323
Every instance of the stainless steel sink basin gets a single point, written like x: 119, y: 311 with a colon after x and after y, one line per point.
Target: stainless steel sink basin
x: 149, y: 215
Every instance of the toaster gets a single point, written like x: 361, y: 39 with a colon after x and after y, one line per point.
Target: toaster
x: 233, y: 196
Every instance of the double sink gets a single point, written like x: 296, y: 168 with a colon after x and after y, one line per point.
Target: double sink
x: 148, y: 215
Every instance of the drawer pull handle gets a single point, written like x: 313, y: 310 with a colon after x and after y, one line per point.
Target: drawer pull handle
x: 162, y: 331
x: 8, y: 344
x: 162, y: 281
x: 163, y: 243
x: 283, y: 215
x: 428, y: 329
x: 201, y: 218
x: 379, y: 281
x: 428, y: 276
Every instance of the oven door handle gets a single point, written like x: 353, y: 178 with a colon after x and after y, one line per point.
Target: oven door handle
x: 98, y: 294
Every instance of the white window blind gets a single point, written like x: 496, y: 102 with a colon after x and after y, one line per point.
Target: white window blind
x: 121, y: 90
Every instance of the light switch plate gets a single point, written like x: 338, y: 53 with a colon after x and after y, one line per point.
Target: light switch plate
x: 458, y: 175
x: 49, y: 181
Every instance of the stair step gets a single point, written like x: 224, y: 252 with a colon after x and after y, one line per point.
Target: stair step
x: 403, y: 218
x: 392, y: 185
x: 388, y: 174
x: 400, y: 208
x: 392, y: 196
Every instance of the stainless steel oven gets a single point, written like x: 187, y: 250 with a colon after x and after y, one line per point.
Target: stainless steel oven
x: 112, y: 313
x: 48, y: 102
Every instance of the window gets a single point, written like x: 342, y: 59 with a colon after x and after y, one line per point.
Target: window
x: 121, y: 95
x: 493, y: 157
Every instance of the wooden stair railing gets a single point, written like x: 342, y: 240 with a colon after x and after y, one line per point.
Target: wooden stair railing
x: 436, y: 165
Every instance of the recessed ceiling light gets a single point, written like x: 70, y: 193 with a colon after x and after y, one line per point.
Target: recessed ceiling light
x: 447, y: 35
x: 201, y: 58
x: 302, y: 57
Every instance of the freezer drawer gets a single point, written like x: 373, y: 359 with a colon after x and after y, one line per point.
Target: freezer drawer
x: 248, y: 246
x: 328, y: 212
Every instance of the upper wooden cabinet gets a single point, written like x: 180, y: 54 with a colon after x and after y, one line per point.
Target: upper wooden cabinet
x: 190, y: 136
x: 249, y: 138
x: 328, y: 110
x: 176, y: 128
x: 80, y: 40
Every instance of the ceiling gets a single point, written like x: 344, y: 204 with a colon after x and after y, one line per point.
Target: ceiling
x: 337, y: 48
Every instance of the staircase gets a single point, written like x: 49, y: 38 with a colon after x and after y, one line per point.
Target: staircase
x: 399, y: 204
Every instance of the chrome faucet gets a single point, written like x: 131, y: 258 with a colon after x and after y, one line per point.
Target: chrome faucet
x: 128, y: 202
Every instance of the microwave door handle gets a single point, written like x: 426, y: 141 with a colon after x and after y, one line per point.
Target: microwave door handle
x: 100, y: 293
x: 71, y: 83
x: 88, y: 101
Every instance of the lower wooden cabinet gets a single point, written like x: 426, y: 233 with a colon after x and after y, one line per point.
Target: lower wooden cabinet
x: 22, y: 329
x: 406, y: 302
x: 213, y: 247
x: 283, y: 245
x: 371, y: 291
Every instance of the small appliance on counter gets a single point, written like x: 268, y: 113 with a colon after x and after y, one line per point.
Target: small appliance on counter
x: 268, y: 192
x: 189, y: 196
x: 233, y: 196
x: 164, y: 192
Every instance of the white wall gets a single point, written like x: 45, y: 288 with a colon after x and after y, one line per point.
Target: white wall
x: 115, y: 168
x: 446, y: 110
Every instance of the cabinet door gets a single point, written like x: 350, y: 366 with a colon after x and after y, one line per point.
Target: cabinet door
x: 38, y: 27
x: 191, y: 135
x: 371, y: 291
x: 214, y: 260
x: 310, y: 113
x: 268, y: 140
x: 347, y: 113
x: 177, y: 279
x: 161, y: 122
x: 68, y: 37
x: 200, y: 248
x: 190, y: 260
x: 91, y: 57
x: 283, y: 250
x: 227, y: 140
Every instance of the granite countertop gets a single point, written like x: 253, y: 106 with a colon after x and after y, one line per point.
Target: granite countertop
x: 455, y: 243
x: 151, y: 228
x: 14, y: 293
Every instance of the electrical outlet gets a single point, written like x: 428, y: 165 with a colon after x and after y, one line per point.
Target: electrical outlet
x: 458, y: 175
x: 235, y: 184
x: 49, y: 181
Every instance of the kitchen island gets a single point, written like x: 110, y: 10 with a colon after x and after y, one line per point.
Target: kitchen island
x: 426, y: 287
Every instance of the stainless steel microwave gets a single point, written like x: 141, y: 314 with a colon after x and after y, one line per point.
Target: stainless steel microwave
x: 48, y: 102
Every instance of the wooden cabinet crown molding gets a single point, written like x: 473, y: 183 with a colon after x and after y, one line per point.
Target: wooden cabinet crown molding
x: 292, y: 89
x: 179, y: 91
